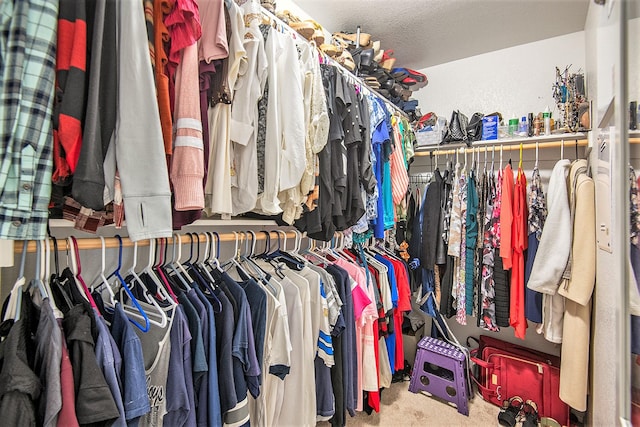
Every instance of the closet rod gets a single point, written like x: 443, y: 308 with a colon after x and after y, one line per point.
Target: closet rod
x: 509, y: 147
x: 333, y: 62
x: 92, y: 243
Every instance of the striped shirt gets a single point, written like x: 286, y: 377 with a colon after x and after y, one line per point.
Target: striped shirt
x: 27, y: 72
x: 399, y: 175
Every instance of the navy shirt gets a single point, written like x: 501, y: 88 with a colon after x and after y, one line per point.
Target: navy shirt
x: 224, y: 337
x: 213, y: 396
x: 180, y: 395
x: 201, y: 389
x: 198, y: 357
x: 257, y: 298
x: 133, y: 380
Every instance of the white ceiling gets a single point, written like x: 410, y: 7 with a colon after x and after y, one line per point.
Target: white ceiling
x: 429, y: 32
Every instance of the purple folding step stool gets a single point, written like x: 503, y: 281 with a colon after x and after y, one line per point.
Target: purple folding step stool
x: 440, y: 370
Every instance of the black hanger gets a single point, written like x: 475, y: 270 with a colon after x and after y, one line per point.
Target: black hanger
x: 267, y: 245
x: 281, y: 256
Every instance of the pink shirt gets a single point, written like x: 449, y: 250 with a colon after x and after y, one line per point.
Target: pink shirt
x: 183, y: 23
x: 363, y: 296
x: 213, y: 44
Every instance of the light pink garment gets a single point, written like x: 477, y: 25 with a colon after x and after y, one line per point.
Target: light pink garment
x: 187, y: 166
x: 365, y: 341
x: 213, y: 43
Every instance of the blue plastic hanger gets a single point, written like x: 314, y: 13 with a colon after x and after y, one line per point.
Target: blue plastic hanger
x: 134, y: 301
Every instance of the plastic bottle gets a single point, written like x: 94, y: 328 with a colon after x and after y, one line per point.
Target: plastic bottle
x: 531, y: 125
x: 546, y: 116
x: 523, y: 130
x: 513, y: 126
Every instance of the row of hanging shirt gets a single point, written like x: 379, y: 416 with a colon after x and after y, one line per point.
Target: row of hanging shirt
x: 190, y: 343
x: 230, y: 116
x: 493, y: 251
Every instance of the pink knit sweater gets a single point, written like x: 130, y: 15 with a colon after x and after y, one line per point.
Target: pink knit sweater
x: 187, y: 165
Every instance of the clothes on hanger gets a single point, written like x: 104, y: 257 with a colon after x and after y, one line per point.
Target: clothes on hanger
x: 537, y: 238
x: 209, y: 70
x: 28, y: 95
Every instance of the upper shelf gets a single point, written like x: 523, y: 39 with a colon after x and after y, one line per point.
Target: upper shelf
x: 234, y: 222
x: 580, y: 137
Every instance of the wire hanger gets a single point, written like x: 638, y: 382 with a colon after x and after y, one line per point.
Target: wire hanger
x: 501, y: 163
x: 562, y: 149
x: 537, y: 147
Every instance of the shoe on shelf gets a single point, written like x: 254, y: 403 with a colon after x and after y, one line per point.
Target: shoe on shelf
x: 331, y: 50
x: 420, y: 79
x: 305, y: 28
x: 270, y: 5
x: 366, y: 61
x: 346, y: 60
x: 388, y: 61
x: 372, y: 82
x: 399, y: 74
x: 287, y: 17
x: 378, y: 52
x: 318, y: 37
x: 365, y: 39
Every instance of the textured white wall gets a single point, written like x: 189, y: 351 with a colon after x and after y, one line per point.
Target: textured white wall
x: 516, y: 80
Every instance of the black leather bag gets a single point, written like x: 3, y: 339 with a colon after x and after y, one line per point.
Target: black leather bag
x: 457, y: 129
x: 474, y: 129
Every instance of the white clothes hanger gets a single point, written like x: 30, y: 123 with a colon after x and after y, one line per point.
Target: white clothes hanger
x: 205, y: 259
x: 149, y: 298
x: 148, y: 269
x: 76, y: 269
x: 15, y: 299
x: 102, y: 277
x: 38, y: 281
x: 493, y: 158
x: 175, y: 265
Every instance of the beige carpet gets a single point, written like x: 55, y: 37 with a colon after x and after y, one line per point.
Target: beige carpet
x: 400, y: 407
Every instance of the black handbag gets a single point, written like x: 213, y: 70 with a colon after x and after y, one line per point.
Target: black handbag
x: 457, y: 129
x: 474, y: 129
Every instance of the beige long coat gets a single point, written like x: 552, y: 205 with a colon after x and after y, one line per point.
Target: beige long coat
x: 578, y: 289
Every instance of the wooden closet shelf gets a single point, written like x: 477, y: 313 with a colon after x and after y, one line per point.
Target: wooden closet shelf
x: 506, y: 147
x: 112, y: 242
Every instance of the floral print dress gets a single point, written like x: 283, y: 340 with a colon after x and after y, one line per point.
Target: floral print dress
x: 491, y: 240
x: 461, y: 276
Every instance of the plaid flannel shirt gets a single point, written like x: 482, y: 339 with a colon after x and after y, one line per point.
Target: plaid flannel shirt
x: 27, y: 72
